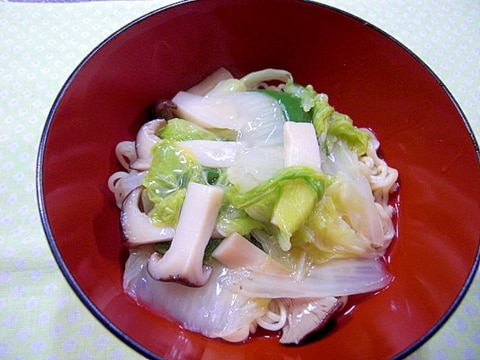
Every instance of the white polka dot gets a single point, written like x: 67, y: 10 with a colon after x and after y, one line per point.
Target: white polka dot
x: 70, y: 345
x: 470, y: 354
x: 5, y: 276
x: 8, y: 166
x: 476, y: 337
x: 5, y: 349
x: 449, y: 339
x: 13, y: 147
x: 87, y: 329
x: 20, y: 263
x: 10, y: 320
x: 50, y: 263
x: 38, y: 250
x: 27, y: 240
x: 74, y: 316
x: 12, y: 199
x: 24, y: 334
x: 37, y: 103
x: 36, y: 275
x: 101, y: 342
x: 23, y: 210
x: 31, y: 303
x: 116, y: 354
x: 57, y: 331
x: 50, y: 289
x: 461, y: 324
x: 470, y: 310
x: 38, y: 346
x: 8, y: 252
x: 62, y: 302
x: 29, y: 188
x: 18, y: 290
x: 85, y: 356
x: 6, y: 221
x: 3, y: 303
x: 13, y: 102
x: 44, y: 317
x: 440, y: 354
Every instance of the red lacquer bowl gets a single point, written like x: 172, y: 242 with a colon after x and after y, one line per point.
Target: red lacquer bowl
x: 366, y: 74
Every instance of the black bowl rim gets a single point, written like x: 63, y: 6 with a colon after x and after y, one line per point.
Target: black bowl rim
x: 91, y: 306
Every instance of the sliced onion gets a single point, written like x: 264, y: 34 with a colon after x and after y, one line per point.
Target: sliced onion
x: 211, y: 310
x: 252, y: 79
x: 334, y: 278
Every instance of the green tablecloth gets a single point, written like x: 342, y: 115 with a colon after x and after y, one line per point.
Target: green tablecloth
x: 41, y: 44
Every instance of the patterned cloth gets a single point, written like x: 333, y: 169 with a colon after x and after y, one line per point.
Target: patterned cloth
x: 41, y: 44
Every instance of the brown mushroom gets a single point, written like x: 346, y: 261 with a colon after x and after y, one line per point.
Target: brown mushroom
x: 183, y: 261
x: 137, y: 226
x: 146, y: 139
x: 308, y: 315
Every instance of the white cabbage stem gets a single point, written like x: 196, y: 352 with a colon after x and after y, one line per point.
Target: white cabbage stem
x: 301, y: 145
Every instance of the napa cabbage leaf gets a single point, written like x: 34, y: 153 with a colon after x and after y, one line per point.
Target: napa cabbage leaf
x: 330, y: 125
x: 172, y: 168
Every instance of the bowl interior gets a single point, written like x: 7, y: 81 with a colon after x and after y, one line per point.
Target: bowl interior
x: 366, y: 74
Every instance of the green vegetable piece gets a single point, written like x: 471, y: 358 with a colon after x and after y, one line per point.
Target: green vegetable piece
x: 215, y: 176
x: 330, y: 125
x: 173, y: 167
x: 232, y: 220
x: 210, y: 248
x: 293, y: 208
x: 312, y: 177
x: 273, y: 198
x: 166, y: 210
x: 341, y: 127
x: 162, y: 248
x: 181, y: 130
x: 327, y: 233
x: 291, y: 105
